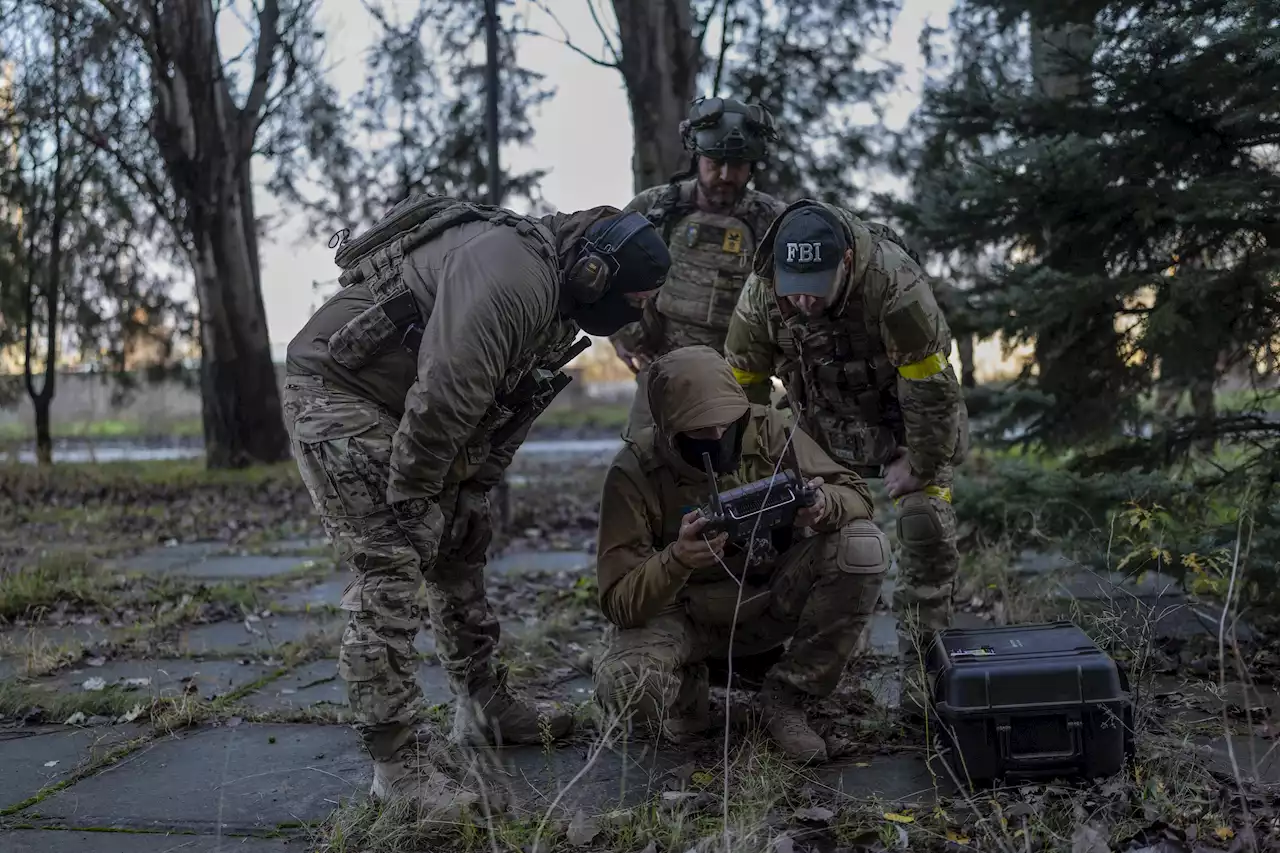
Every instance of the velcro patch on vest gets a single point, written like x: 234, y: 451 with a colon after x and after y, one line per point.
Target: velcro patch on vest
x: 700, y: 233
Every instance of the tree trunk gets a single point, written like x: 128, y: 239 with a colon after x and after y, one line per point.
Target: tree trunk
x: 964, y: 347
x: 660, y: 59
x: 243, y: 421
x: 207, y: 143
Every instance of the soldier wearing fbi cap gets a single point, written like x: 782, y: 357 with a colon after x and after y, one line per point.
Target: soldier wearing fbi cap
x: 841, y: 310
x: 712, y: 223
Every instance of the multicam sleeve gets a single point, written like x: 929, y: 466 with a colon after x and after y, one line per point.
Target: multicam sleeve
x: 918, y: 343
x: 749, y: 347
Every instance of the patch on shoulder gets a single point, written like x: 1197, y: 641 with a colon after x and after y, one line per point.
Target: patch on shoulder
x: 908, y: 325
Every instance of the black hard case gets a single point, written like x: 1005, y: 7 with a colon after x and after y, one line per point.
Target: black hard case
x: 1028, y: 702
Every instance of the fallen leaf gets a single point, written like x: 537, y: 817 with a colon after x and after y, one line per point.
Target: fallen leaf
x: 95, y: 661
x: 956, y: 838
x: 582, y: 829
x: 51, y: 764
x: 899, y: 818
x: 702, y: 778
x: 232, y: 722
x: 1020, y: 810
x: 137, y: 682
x: 75, y: 719
x: 816, y: 814
x: 1089, y: 839
x: 863, y: 764
x: 1224, y: 832
x: 95, y: 684
x: 134, y: 713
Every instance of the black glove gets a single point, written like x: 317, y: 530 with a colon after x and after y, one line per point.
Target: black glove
x: 422, y: 523
x: 472, y: 525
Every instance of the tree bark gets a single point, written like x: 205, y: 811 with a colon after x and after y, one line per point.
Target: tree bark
x: 659, y: 61
x: 206, y: 143
x: 964, y: 348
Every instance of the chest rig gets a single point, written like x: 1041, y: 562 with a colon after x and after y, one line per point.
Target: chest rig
x: 376, y: 260
x: 710, y: 261
x: 836, y: 370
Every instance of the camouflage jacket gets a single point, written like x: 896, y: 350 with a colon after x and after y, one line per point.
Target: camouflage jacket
x: 649, y: 487
x: 872, y: 373
x: 710, y: 260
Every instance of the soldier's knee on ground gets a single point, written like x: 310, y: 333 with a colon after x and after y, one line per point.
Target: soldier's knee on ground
x: 639, y: 686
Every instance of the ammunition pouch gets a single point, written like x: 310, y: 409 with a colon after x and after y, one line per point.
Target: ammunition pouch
x: 396, y: 321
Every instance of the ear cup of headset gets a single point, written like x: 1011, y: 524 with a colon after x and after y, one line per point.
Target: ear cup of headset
x: 588, y: 279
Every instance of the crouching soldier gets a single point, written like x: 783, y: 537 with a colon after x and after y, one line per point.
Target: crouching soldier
x: 672, y: 593
x: 407, y: 394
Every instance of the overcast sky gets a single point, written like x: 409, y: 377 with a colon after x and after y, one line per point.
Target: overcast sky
x: 585, y: 170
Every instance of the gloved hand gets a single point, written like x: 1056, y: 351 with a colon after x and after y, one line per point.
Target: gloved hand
x: 472, y: 525
x: 422, y: 523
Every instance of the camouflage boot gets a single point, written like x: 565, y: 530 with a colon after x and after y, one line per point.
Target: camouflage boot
x: 788, y: 725
x: 691, y: 716
x: 413, y: 778
x: 490, y: 714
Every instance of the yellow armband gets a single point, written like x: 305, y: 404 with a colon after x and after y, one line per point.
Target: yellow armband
x: 924, y: 368
x: 746, y: 377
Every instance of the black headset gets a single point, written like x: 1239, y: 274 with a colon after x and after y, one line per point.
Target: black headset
x: 590, y: 276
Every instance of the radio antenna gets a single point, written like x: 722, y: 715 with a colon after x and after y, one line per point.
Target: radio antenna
x: 716, y: 506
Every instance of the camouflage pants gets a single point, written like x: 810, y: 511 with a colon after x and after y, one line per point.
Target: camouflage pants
x: 342, y: 444
x: 820, y: 596
x: 928, y: 561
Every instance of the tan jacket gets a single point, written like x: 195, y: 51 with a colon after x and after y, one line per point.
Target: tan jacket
x: 649, y: 487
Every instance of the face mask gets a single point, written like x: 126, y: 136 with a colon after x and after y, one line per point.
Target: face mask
x: 725, y: 452
x: 606, y: 315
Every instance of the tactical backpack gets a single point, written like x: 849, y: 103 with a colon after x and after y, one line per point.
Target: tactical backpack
x: 376, y: 260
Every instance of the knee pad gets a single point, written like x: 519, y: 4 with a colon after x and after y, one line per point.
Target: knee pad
x: 863, y: 549
x: 918, y: 522
x: 635, y: 687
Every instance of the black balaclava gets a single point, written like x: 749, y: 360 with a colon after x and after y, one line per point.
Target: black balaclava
x: 725, y: 452
x: 640, y: 264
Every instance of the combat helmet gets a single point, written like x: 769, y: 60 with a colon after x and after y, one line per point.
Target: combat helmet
x: 728, y: 129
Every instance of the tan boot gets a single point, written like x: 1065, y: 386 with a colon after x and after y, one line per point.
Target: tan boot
x: 492, y: 715
x: 691, y: 716
x: 416, y: 781
x: 788, y: 725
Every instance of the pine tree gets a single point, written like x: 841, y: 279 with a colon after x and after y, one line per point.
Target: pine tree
x: 1115, y: 161
x: 418, y: 123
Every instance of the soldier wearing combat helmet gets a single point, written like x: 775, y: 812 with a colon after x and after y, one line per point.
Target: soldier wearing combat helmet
x: 712, y: 224
x: 843, y: 312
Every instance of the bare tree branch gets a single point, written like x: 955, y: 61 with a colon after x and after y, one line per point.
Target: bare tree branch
x: 594, y: 60
x: 567, y: 42
x: 268, y: 40
x: 610, y: 40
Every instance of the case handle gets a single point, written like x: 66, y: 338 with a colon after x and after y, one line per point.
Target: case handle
x: 1074, y: 752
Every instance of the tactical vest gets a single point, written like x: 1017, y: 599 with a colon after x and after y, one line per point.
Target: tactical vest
x: 710, y: 261
x: 839, y: 377
x: 376, y: 260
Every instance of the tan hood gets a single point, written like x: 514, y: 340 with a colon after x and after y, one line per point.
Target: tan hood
x: 691, y: 388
